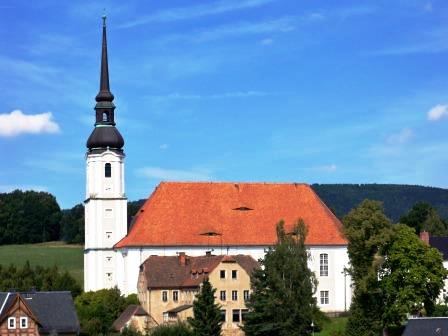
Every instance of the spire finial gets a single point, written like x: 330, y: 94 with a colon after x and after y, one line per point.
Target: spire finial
x: 104, y: 17
x: 104, y: 94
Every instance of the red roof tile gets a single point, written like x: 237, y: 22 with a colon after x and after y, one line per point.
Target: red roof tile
x: 230, y: 214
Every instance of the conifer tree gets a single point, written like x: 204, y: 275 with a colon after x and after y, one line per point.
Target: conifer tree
x: 207, y: 314
x: 282, y: 301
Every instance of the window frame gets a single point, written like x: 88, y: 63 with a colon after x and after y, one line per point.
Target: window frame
x: 107, y: 170
x: 234, y: 274
x: 164, y: 296
x: 324, y: 297
x: 12, y: 319
x: 234, y: 295
x: 223, y: 313
x: 323, y: 264
x: 175, y: 295
x: 246, y: 295
x: 222, y: 274
x: 223, y: 295
x: 233, y: 315
x: 22, y: 319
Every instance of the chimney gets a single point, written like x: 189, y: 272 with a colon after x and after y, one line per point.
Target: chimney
x: 208, y: 253
x: 182, y: 258
x: 424, y: 236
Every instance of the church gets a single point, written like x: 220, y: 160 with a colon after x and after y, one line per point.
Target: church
x: 195, y: 218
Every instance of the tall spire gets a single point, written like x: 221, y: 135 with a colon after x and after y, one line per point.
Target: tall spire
x: 104, y: 94
x: 105, y: 134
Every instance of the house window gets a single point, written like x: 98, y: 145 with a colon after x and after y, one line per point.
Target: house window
x: 234, y: 295
x: 164, y: 296
x: 222, y: 274
x: 246, y: 295
x: 23, y: 322
x: 11, y: 322
x: 324, y: 264
x: 107, y: 170
x: 175, y: 296
x: 235, y: 315
x: 222, y: 295
x: 223, y: 315
x: 244, y: 314
x: 233, y: 274
x: 324, y: 297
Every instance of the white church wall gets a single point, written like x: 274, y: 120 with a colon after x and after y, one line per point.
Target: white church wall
x: 336, y: 283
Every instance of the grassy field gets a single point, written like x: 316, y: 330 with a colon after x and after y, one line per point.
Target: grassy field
x: 66, y: 257
x: 335, y: 326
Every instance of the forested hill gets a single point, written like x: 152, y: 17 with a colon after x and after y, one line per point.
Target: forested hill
x: 397, y: 198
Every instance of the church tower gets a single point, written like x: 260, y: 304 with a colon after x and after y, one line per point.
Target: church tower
x: 106, y: 202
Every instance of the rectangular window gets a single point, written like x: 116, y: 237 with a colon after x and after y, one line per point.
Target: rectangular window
x: 23, y: 322
x: 175, y: 296
x: 233, y: 274
x: 108, y: 235
x: 234, y: 295
x: 108, y: 213
x: 223, y: 315
x: 246, y: 295
x: 244, y: 314
x: 235, y: 315
x: 11, y: 322
x: 324, y: 264
x: 222, y: 274
x: 324, y: 297
x: 164, y: 296
x: 222, y: 295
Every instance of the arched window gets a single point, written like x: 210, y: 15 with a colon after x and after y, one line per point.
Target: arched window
x: 107, y: 170
x: 105, y: 116
x: 324, y: 264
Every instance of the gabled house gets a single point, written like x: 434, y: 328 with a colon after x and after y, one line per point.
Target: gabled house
x: 38, y: 313
x: 134, y: 317
x: 168, y: 285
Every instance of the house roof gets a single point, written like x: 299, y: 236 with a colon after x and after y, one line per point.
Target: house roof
x: 169, y: 272
x: 54, y: 311
x: 230, y: 214
x: 428, y: 326
x: 180, y: 308
x: 125, y: 316
x: 440, y: 243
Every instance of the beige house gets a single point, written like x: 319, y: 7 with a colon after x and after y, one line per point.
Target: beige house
x: 167, y: 286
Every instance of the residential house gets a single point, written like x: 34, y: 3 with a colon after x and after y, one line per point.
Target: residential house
x: 168, y: 285
x: 37, y: 313
x: 134, y: 317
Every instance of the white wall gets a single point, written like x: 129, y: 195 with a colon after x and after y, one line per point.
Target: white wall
x: 339, y: 289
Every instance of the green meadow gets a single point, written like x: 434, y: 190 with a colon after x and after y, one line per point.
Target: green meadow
x: 66, y: 257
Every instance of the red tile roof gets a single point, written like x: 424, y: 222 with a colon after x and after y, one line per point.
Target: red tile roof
x: 230, y: 214
x: 170, y: 272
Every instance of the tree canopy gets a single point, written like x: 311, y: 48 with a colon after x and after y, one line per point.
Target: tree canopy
x: 207, y: 314
x: 424, y: 217
x: 282, y: 301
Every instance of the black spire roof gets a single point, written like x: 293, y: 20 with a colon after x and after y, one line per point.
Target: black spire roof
x: 105, y: 134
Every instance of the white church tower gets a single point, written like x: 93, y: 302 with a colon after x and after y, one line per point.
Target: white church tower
x: 106, y: 202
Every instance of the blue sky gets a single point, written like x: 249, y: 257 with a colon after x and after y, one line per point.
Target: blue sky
x: 227, y: 90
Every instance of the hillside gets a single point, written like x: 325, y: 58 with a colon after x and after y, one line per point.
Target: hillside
x: 397, y: 198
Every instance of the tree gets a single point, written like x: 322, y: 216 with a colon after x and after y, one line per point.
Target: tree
x: 176, y: 329
x: 367, y: 229
x: 282, y: 301
x: 412, y: 276
x: 72, y: 225
x: 424, y: 217
x: 207, y: 314
x: 98, y: 310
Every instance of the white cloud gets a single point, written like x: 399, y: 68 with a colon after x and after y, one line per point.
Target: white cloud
x: 437, y: 112
x: 331, y: 168
x: 192, y: 12
x: 16, y: 122
x: 401, y: 137
x: 266, y: 41
x: 174, y: 174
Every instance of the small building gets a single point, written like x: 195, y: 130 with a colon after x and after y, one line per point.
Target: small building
x: 134, y: 317
x: 38, y: 313
x: 427, y: 326
x: 168, y: 285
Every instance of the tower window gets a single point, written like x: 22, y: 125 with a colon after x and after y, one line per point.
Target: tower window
x: 107, y: 170
x: 105, y: 116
